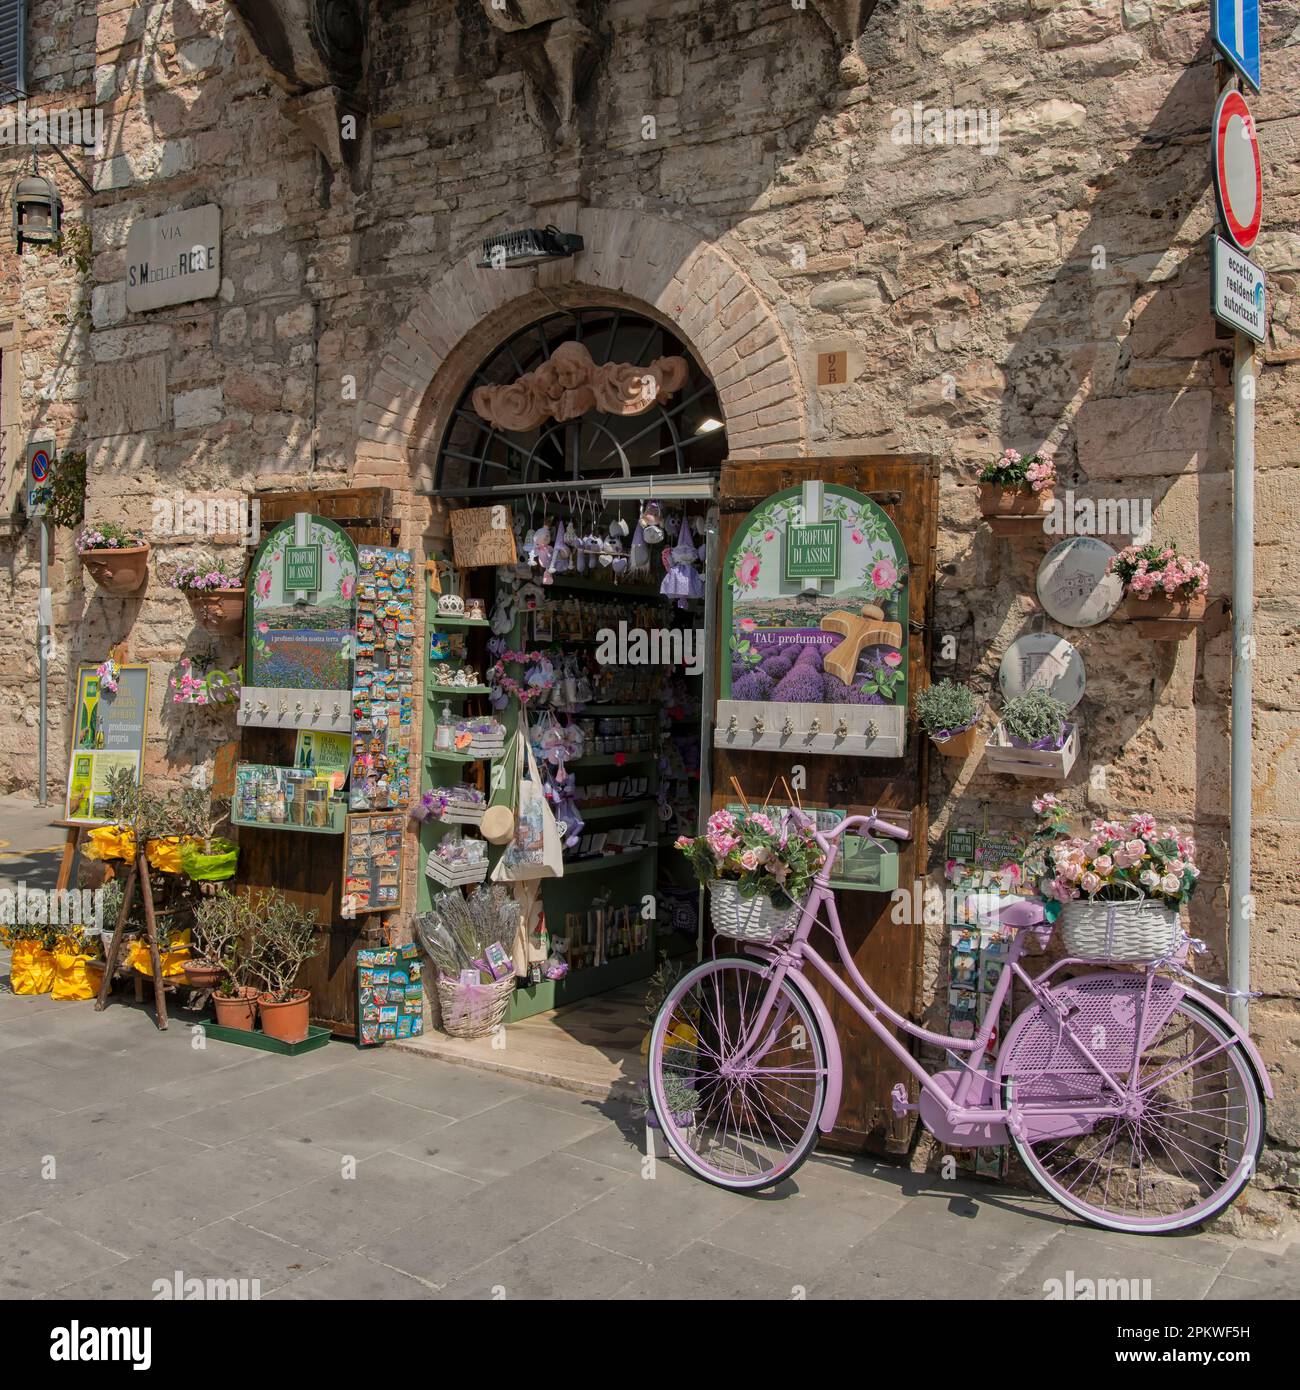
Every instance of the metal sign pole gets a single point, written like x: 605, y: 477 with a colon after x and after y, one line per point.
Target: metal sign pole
x: 1243, y: 660
x: 43, y: 625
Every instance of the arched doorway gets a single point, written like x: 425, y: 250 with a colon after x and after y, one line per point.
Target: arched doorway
x: 684, y: 433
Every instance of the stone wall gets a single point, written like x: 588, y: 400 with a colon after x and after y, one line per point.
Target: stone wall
x: 739, y: 171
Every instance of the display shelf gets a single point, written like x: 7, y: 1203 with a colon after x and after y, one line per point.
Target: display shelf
x: 610, y: 759
x: 338, y: 822
x: 619, y: 808
x: 528, y: 1000
x: 586, y: 866
x: 443, y: 692
x: 591, y: 586
x: 438, y: 755
x: 436, y: 622
x: 591, y: 710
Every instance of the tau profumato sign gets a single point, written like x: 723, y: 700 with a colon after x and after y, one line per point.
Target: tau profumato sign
x: 815, y: 614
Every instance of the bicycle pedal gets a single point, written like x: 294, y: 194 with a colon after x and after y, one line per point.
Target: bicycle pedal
x: 899, y: 1100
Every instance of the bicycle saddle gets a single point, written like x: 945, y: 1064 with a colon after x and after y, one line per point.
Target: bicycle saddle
x: 1017, y: 913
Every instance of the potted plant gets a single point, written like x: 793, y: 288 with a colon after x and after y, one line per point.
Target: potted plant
x: 1035, y: 720
x: 117, y: 558
x: 758, y: 869
x: 949, y: 712
x: 215, y: 591
x: 1121, y: 888
x: 284, y: 940
x: 1164, y: 592
x: 31, y: 960
x: 1015, y: 491
x: 223, y: 927
x: 206, y: 857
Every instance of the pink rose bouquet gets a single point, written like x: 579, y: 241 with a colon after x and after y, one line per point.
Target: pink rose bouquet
x: 763, y: 851
x: 1029, y: 472
x: 1159, y: 570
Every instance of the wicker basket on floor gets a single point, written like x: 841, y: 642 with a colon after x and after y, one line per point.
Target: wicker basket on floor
x: 473, y: 1011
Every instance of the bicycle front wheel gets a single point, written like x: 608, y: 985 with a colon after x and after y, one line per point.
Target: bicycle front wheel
x: 1182, y: 1144
x: 737, y: 1089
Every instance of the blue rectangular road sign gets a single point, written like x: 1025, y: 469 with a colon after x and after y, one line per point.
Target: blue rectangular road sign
x: 1234, y: 28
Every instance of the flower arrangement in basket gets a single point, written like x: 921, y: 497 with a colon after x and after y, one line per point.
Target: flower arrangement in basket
x: 1120, y: 888
x: 469, y: 940
x: 1164, y: 592
x: 758, y: 868
x: 1016, y: 490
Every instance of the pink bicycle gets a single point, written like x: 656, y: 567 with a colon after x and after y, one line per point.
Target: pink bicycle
x: 1136, y: 1102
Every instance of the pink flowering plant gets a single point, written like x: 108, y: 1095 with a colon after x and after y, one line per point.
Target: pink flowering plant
x: 204, y: 575
x: 1158, y: 570
x: 764, y: 853
x: 106, y: 535
x: 1028, y: 472
x: 1115, y: 860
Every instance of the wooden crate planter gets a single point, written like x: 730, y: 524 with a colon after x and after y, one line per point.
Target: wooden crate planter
x: 1161, y: 619
x: 1002, y: 756
x: 1014, y: 512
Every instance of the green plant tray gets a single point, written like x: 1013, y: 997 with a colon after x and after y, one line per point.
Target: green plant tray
x: 263, y: 1042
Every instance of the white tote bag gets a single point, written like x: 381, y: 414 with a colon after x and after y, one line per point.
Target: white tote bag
x: 535, y: 851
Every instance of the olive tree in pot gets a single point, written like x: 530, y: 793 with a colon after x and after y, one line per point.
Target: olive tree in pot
x: 950, y: 712
x: 284, y: 940
x: 223, y: 926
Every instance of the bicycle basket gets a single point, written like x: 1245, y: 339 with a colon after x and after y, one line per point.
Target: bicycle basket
x: 1130, y: 929
x: 749, y: 919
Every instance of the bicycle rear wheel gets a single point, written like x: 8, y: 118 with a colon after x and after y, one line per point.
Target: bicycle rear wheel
x: 737, y: 1094
x: 1184, y: 1141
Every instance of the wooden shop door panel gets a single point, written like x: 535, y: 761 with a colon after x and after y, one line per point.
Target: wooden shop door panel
x: 888, y: 954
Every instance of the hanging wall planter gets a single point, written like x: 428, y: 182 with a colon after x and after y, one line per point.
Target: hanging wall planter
x: 1164, y: 592
x: 1015, y: 493
x: 950, y: 713
x: 219, y: 611
x: 1165, y: 619
x: 1033, y: 738
x: 118, y: 560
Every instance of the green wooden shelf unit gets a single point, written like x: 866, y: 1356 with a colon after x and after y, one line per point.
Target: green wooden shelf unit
x: 628, y: 877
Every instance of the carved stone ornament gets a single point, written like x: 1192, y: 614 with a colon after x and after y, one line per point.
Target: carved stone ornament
x: 555, y: 45
x: 569, y: 384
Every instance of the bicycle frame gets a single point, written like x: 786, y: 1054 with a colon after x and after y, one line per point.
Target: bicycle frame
x: 962, y: 1108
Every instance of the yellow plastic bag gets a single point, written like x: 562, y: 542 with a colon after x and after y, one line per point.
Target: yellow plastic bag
x: 110, y: 842
x: 31, y: 968
x: 173, y: 959
x: 72, y: 978
x: 165, y: 855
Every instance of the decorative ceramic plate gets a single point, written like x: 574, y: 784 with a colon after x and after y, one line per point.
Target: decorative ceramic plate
x: 1043, y: 661
x: 1073, y: 584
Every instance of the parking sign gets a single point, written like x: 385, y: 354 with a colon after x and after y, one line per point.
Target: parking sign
x: 1234, y: 28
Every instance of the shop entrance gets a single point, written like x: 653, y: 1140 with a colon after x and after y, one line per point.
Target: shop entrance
x: 595, y: 438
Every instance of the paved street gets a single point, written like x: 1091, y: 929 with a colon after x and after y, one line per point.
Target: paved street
x: 127, y: 1155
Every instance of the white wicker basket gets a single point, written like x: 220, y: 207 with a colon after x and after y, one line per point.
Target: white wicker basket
x: 1131, y: 929
x: 749, y: 919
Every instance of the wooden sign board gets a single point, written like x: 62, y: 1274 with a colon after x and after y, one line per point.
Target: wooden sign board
x: 482, y: 536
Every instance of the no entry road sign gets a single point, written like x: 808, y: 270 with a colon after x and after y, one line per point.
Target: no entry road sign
x: 1238, y: 172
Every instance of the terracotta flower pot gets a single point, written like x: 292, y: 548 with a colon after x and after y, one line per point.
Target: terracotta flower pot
x: 237, y: 1010
x: 960, y: 744
x: 201, y: 975
x: 1163, y: 619
x: 220, y: 611
x: 286, y: 1020
x: 1014, y: 511
x: 121, y: 573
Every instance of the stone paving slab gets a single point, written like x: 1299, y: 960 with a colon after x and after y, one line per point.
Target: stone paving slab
x: 384, y: 1175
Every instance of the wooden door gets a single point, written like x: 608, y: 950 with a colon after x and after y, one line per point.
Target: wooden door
x: 888, y: 954
x: 308, y: 869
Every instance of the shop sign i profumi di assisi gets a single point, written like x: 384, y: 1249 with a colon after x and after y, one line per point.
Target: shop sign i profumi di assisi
x: 813, y: 551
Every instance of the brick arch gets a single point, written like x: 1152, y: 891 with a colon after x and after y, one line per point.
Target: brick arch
x: 666, y: 270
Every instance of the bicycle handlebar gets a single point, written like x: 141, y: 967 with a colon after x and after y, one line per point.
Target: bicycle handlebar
x: 873, y: 823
